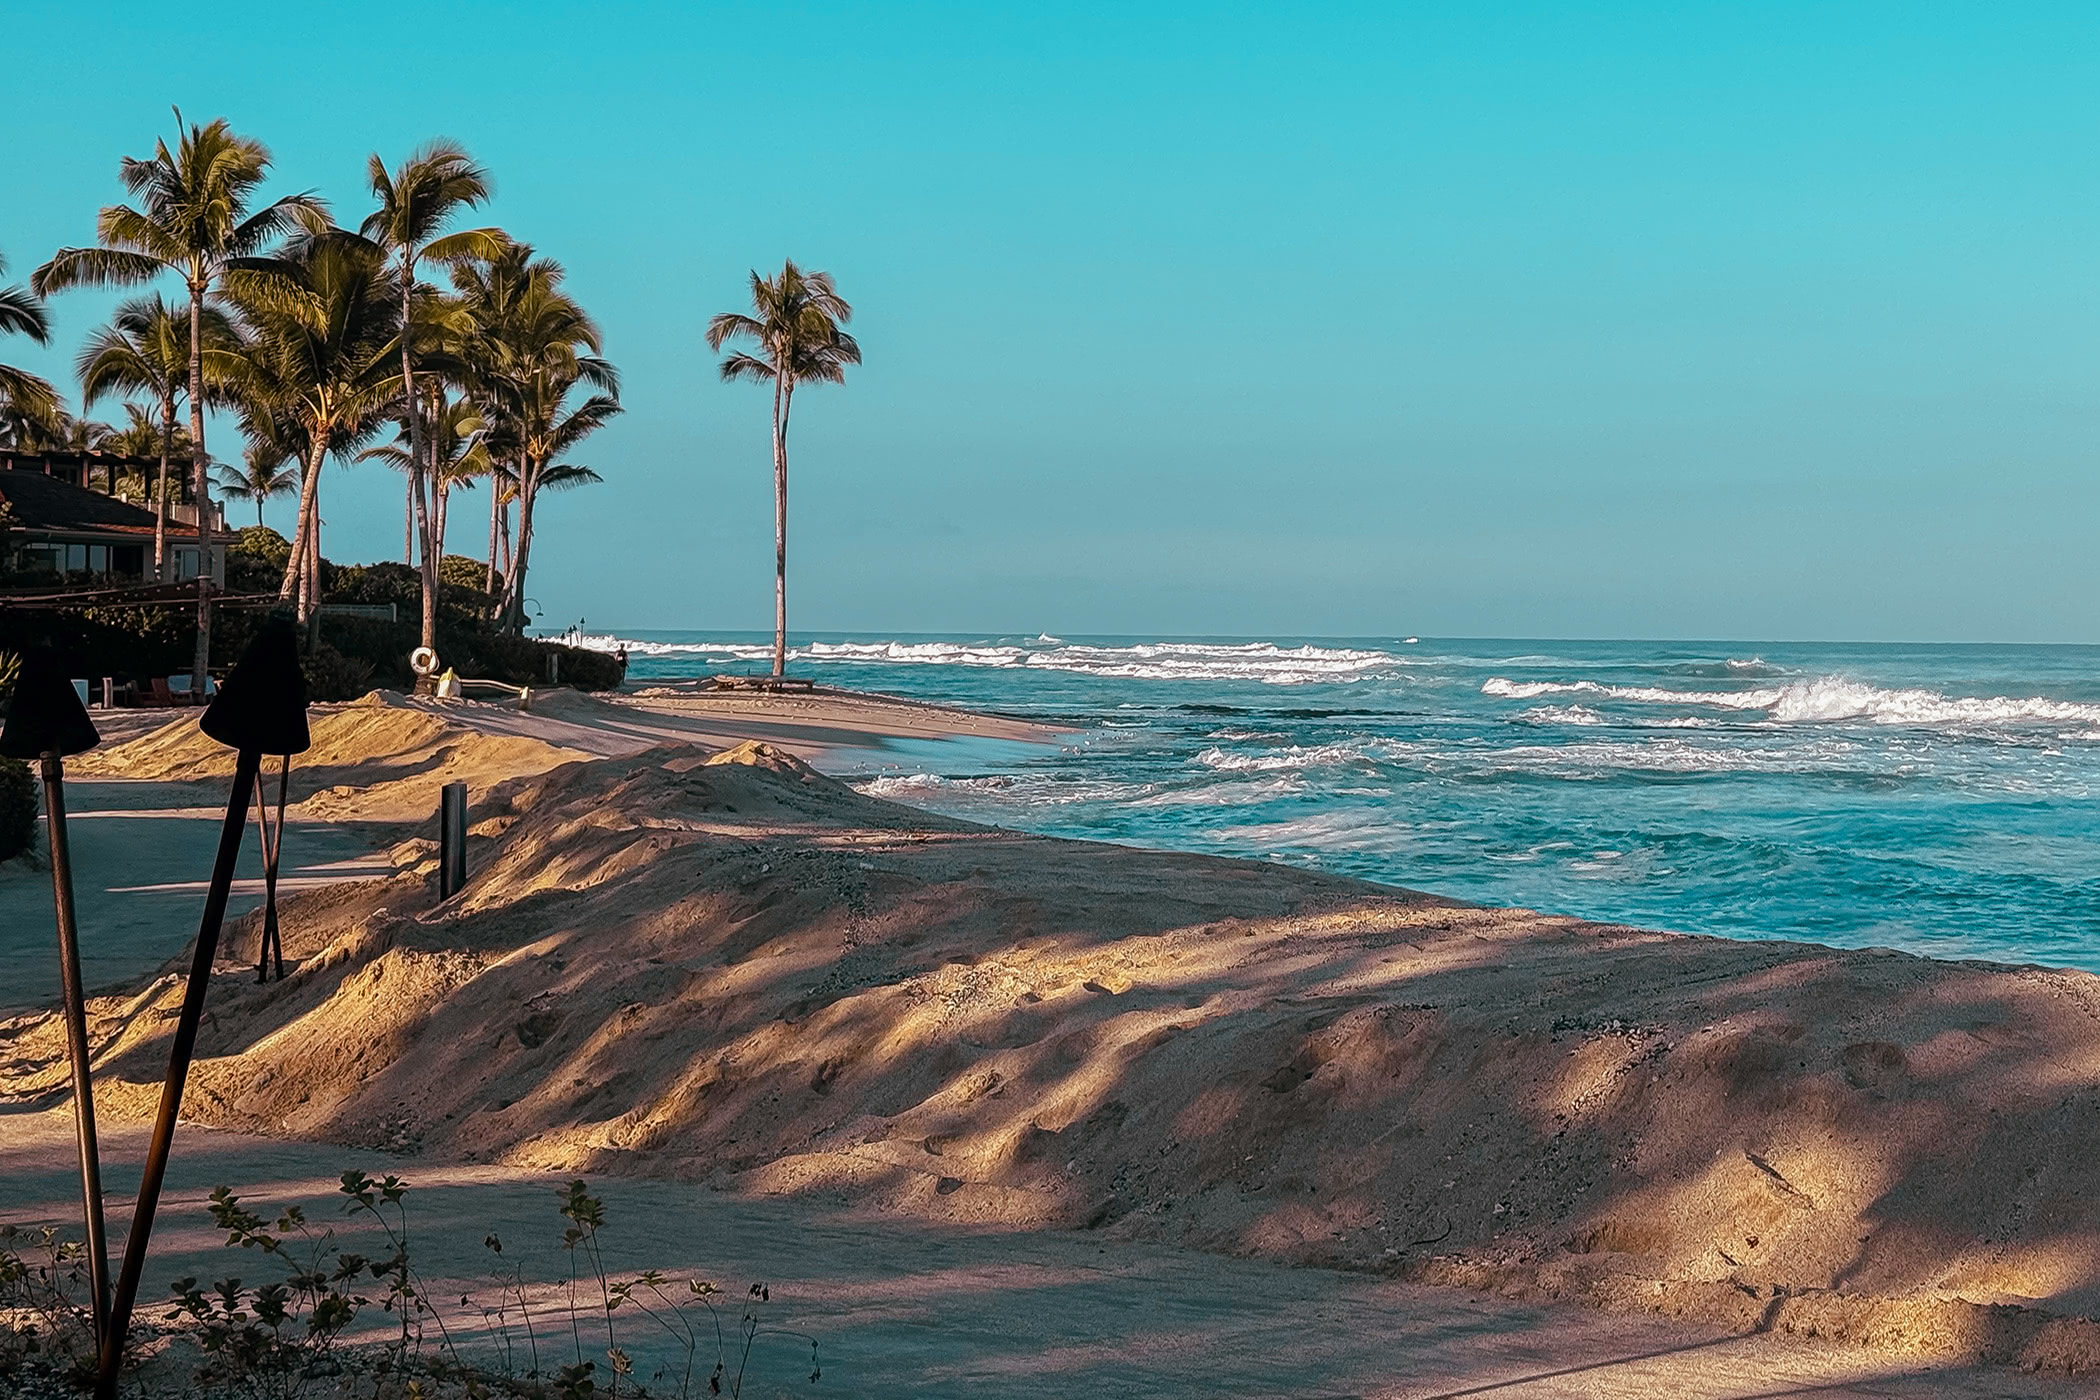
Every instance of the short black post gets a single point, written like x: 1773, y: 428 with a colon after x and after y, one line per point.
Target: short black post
x: 452, y: 840
x: 47, y: 722
x: 260, y: 709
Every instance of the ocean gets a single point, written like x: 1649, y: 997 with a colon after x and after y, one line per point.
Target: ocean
x: 1936, y: 799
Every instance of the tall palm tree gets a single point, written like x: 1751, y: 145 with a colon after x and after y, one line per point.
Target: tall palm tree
x: 194, y: 220
x: 316, y: 371
x: 26, y: 401
x: 533, y: 346
x: 798, y: 335
x: 145, y: 349
x: 424, y: 194
x: 265, y: 471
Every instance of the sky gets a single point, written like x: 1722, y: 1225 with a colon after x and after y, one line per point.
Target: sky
x: 1753, y: 321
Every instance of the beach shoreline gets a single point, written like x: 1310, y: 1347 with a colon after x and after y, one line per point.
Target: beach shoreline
x: 723, y: 967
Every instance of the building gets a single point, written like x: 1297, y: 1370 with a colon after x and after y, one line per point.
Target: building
x: 60, y: 516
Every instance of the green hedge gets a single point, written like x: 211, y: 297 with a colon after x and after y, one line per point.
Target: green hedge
x: 352, y: 655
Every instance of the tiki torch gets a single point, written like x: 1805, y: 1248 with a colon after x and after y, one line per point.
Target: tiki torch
x: 261, y: 709
x: 47, y: 722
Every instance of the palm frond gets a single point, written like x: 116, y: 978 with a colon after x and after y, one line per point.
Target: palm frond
x: 94, y: 267
x: 22, y: 314
x: 742, y: 366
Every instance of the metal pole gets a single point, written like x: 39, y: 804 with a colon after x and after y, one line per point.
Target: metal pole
x: 230, y: 833
x: 452, y: 840
x: 272, y: 944
x: 77, y: 1048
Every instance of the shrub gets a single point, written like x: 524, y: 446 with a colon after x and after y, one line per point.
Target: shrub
x: 17, y: 808
x: 255, y: 563
x: 278, y: 1337
x: 330, y: 675
x: 458, y: 571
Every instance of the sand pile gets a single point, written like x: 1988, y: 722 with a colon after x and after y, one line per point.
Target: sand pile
x: 741, y: 971
x: 380, y: 758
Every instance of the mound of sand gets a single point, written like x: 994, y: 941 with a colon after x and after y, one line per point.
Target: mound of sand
x: 380, y: 758
x: 737, y: 970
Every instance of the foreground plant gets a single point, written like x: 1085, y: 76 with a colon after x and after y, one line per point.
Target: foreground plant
x: 281, y: 1338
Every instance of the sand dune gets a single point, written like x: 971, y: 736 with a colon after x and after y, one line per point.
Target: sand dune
x: 735, y: 969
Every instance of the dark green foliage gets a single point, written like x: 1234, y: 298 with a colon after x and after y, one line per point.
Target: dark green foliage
x: 137, y: 643
x: 17, y: 808
x: 458, y: 571
x: 256, y: 562
x: 330, y: 675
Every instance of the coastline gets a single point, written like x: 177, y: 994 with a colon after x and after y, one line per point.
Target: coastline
x: 730, y: 969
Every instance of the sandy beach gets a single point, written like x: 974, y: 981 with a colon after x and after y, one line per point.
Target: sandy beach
x: 715, y: 967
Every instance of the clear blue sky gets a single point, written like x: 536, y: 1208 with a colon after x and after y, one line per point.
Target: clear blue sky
x: 1575, y: 319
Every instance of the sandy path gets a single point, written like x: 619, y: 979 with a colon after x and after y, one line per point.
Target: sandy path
x: 142, y: 848
x: 944, y: 1311
x: 141, y: 852
x: 814, y: 726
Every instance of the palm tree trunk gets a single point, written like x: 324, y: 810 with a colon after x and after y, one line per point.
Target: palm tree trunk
x: 310, y: 584
x: 783, y: 400
x: 415, y: 461
x: 160, y: 491
x: 488, y: 582
x: 514, y: 586
x: 302, y: 533
x: 200, y: 660
x: 408, y: 518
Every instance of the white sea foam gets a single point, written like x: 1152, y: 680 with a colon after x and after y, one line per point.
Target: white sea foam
x: 1294, y: 758
x: 1264, y: 662
x: 1001, y: 789
x: 1580, y: 715
x: 1825, y: 699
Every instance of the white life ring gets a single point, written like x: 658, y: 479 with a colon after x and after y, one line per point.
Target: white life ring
x: 423, y: 661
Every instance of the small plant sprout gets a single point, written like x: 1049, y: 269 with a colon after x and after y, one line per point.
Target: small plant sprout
x: 288, y: 1336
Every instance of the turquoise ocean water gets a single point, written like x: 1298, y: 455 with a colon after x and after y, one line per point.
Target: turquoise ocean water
x: 1939, y: 799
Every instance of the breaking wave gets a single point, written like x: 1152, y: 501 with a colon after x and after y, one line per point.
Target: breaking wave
x: 1826, y: 699
x: 1269, y: 663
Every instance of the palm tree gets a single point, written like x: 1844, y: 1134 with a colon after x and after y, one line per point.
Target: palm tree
x: 529, y: 346
x: 316, y: 370
x: 26, y: 401
x: 194, y: 221
x: 265, y: 471
x: 426, y: 192
x: 798, y: 336
x: 455, y: 454
x: 145, y: 350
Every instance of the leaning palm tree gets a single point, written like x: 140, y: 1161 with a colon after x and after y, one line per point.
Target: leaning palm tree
x: 549, y: 428
x: 416, y: 201
x: 265, y: 471
x: 26, y: 401
x: 145, y: 349
x: 316, y: 371
x: 798, y: 337
x: 194, y: 220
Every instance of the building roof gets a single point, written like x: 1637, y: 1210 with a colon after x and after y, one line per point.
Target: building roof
x: 43, y: 503
x: 76, y: 466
